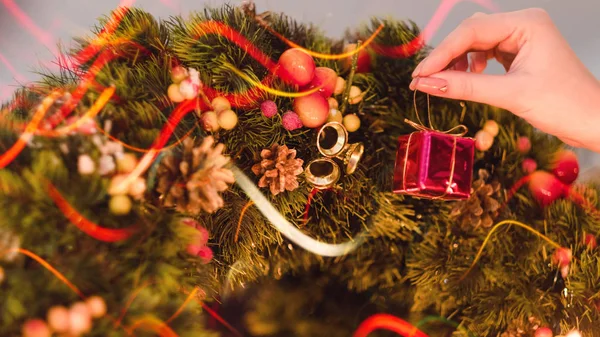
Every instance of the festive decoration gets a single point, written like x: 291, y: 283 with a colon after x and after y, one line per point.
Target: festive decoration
x: 333, y: 103
x: 523, y: 144
x: 313, y: 110
x: 220, y: 104
x: 96, y: 306
x: 325, y: 79
x: 35, y: 328
x: 227, y: 119
x: 445, y: 174
x: 114, y: 127
x: 178, y: 74
x: 589, y: 240
x: 351, y: 122
x: 562, y: 257
x: 335, y: 116
x: 58, y: 319
x: 210, y: 121
x: 85, y: 165
x: 296, y: 67
x: 482, y: 208
x: 291, y: 121
x: 491, y: 127
x: 175, y: 94
x: 566, y: 167
x: 483, y: 140
x: 120, y: 204
x: 278, y: 169
x: 80, y: 319
x: 528, y: 165
x: 543, y: 332
x: 340, y: 85
x: 193, y: 181
x: 356, y: 95
x: 545, y: 187
x: 268, y: 108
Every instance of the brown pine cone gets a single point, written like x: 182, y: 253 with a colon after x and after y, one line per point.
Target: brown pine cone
x: 193, y: 182
x: 482, y: 208
x: 279, y: 168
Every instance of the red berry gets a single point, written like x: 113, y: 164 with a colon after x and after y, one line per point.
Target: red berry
x: 529, y: 165
x: 363, y: 64
x: 205, y: 254
x: 291, y: 121
x: 545, y: 187
x: 566, y: 166
x: 562, y: 257
x: 268, y: 108
x: 543, y: 332
x: 313, y: 110
x: 296, y: 67
x: 589, y: 240
x: 523, y: 144
x: 326, y: 78
x: 35, y: 328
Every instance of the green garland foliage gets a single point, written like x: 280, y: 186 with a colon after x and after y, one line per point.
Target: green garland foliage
x: 411, y: 265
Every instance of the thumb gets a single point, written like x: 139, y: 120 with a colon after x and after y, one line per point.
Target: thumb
x: 500, y: 91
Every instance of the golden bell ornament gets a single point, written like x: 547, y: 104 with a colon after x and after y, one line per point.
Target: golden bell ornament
x: 332, y: 142
x: 322, y: 173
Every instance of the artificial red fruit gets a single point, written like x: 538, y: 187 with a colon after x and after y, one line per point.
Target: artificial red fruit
x: 545, y: 187
x: 313, y: 110
x: 566, y: 166
x: 589, y: 240
x: 326, y: 78
x: 296, y: 67
x: 529, y: 165
x: 543, y: 332
x: 523, y: 144
x: 562, y: 257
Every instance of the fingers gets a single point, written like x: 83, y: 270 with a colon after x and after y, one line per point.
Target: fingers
x: 489, y: 89
x: 480, y: 32
x: 478, y: 62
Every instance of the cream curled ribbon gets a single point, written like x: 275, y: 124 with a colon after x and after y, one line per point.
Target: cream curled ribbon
x: 287, y: 229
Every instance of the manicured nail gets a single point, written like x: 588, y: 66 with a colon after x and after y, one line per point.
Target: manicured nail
x: 413, y: 83
x: 417, y: 69
x: 430, y: 84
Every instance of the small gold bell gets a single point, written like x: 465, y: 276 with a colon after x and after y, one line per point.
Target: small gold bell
x: 322, y: 173
x: 332, y: 142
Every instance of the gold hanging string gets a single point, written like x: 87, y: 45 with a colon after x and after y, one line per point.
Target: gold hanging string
x: 458, y: 131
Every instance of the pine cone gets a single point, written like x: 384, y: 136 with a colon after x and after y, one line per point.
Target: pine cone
x: 193, y: 182
x: 483, y: 206
x: 279, y: 168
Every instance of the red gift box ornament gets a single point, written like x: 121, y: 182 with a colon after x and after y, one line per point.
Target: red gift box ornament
x: 434, y: 164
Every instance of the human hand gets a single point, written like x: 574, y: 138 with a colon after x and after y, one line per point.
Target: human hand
x: 546, y: 84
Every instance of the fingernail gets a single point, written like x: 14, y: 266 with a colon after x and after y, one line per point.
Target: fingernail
x: 417, y: 69
x: 413, y: 83
x: 431, y: 84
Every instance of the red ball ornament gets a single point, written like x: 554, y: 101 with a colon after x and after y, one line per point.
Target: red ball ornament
x: 589, y: 240
x: 566, y: 166
x: 35, y: 328
x: 326, y: 78
x: 545, y: 187
x: 523, y: 144
x: 313, y: 110
x: 363, y: 64
x: 543, y: 332
x: 562, y: 257
x: 529, y: 165
x: 296, y: 67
